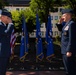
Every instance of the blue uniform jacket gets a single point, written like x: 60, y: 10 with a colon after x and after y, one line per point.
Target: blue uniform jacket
x: 68, y: 37
x: 5, y: 34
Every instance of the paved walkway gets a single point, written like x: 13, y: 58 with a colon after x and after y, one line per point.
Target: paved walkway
x: 35, y: 73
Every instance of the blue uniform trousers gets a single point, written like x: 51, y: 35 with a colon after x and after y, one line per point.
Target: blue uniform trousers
x: 3, y: 65
x: 69, y: 64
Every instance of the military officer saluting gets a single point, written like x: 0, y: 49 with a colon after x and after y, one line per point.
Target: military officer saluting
x: 6, y: 27
x: 68, y: 40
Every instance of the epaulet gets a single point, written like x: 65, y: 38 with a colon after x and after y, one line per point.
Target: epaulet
x: 71, y: 22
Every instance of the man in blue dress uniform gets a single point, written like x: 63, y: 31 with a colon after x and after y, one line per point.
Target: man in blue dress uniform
x: 68, y: 40
x: 6, y: 27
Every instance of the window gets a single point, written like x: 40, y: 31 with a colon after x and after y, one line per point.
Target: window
x: 22, y: 8
x: 51, y: 25
x: 56, y: 17
x: 61, y: 9
x: 17, y: 9
x: 55, y: 33
x: 51, y: 17
x: 42, y: 25
x: 32, y: 34
x: 55, y: 26
x: 42, y: 33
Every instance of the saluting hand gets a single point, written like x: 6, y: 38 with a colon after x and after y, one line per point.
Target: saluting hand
x: 61, y: 19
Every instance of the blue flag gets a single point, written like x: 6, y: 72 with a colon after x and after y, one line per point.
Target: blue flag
x: 49, y: 40
x: 39, y: 49
x: 24, y: 40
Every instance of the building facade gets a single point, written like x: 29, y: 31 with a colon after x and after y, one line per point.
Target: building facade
x: 23, y: 4
x: 17, y: 4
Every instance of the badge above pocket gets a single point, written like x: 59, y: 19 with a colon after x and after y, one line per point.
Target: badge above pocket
x: 65, y: 33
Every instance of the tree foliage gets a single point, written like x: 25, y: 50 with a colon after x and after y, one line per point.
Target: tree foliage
x: 43, y: 7
x: 3, y: 3
x: 16, y: 17
x: 30, y: 19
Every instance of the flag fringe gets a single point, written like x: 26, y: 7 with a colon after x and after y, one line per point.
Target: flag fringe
x: 23, y: 57
x: 49, y: 57
x: 39, y: 56
x: 26, y: 53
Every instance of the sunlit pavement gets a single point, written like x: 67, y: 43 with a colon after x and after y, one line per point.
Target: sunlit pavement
x: 35, y: 73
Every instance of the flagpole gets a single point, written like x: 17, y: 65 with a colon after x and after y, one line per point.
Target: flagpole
x: 50, y: 49
x: 36, y: 38
x: 36, y: 54
x: 22, y: 56
x: 39, y: 49
x: 36, y: 50
x: 36, y: 41
x: 25, y: 36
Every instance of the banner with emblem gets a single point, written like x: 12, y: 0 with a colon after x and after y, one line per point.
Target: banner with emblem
x: 39, y: 49
x: 24, y: 41
x: 49, y: 40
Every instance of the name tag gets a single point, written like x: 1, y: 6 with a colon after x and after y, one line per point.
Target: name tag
x: 66, y: 28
